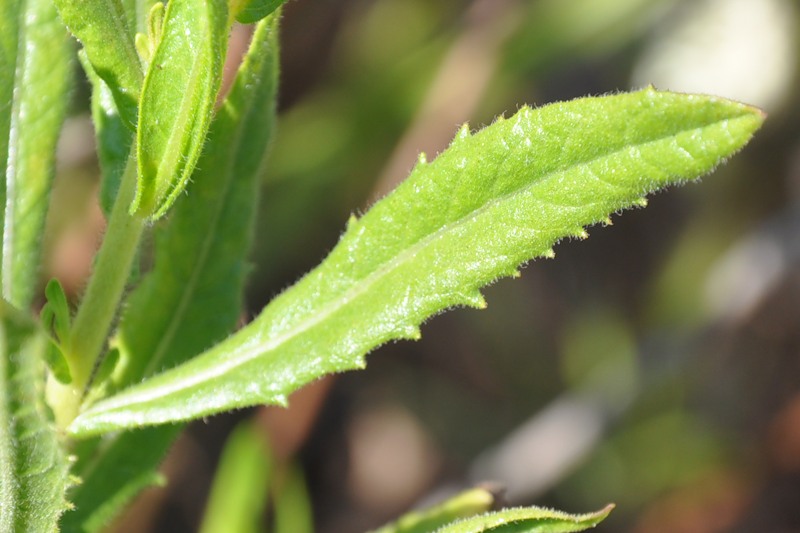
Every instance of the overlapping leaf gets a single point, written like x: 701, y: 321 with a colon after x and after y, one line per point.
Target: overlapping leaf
x: 192, y: 298
x: 488, y: 204
x: 30, y: 122
x: 104, y: 29
x: 177, y: 100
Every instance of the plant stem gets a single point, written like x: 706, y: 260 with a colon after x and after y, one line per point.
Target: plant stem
x: 106, y: 285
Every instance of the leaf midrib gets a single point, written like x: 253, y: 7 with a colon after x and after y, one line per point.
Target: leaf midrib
x: 257, y: 349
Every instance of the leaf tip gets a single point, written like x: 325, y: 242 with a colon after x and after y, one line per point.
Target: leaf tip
x: 463, y: 132
x: 422, y: 159
x: 549, y: 254
x: 409, y: 332
x: 474, y: 300
x: 580, y: 234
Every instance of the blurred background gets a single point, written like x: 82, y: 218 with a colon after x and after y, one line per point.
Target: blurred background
x: 655, y: 365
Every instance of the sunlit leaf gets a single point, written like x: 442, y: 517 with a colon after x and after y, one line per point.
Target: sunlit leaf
x: 177, y: 100
x: 491, y: 202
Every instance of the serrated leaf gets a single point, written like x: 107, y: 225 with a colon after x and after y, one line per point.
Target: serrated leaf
x: 527, y: 520
x: 31, y: 122
x: 104, y: 29
x: 192, y: 298
x: 33, y: 466
x: 488, y: 204
x: 177, y: 100
x: 466, y: 504
x: 249, y: 11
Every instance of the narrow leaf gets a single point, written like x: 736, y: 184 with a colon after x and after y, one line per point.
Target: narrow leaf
x: 42, y: 73
x: 238, y: 496
x: 178, y: 97
x: 192, y: 298
x: 33, y: 467
x: 527, y: 520
x: 488, y: 204
x: 104, y: 29
x: 292, y: 502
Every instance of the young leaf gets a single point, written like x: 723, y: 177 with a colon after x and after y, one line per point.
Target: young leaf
x: 527, y: 520
x: 33, y: 467
x: 488, y: 204
x: 177, y: 101
x: 192, y: 298
x: 104, y: 29
x: 40, y: 68
x: 55, y: 319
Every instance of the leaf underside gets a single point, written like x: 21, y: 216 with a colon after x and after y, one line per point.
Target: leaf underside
x: 488, y: 204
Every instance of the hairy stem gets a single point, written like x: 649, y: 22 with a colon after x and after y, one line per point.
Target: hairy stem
x: 101, y: 300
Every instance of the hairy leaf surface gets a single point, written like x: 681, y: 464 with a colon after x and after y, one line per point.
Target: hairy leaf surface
x: 33, y: 467
x: 492, y: 201
x: 192, y: 298
x: 41, y: 70
x: 177, y: 101
x: 106, y: 32
x: 527, y: 520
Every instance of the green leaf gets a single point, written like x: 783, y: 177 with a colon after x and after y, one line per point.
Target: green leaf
x: 238, y: 496
x: 249, y: 11
x: 112, y: 472
x: 177, y: 101
x: 488, y: 204
x: 464, y: 505
x: 113, y: 137
x: 33, y: 466
x: 31, y: 124
x: 527, y: 520
x: 104, y: 29
x: 192, y: 298
x: 292, y: 503
x: 55, y: 319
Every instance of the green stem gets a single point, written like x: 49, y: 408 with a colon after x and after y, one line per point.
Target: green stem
x: 104, y: 292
